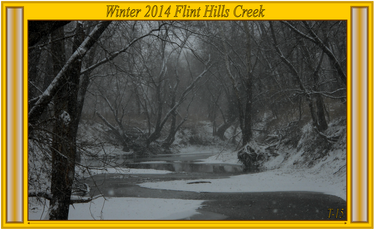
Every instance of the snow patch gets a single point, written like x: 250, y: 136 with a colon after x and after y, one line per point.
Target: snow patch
x: 127, y: 171
x: 65, y: 117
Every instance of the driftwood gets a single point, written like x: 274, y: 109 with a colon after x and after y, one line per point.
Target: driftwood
x: 199, y: 182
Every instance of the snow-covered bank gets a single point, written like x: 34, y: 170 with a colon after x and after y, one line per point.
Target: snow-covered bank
x: 269, y: 181
x: 126, y: 171
x: 310, y: 165
x: 283, y: 174
x: 126, y: 209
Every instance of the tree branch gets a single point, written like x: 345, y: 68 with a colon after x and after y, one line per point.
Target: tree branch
x: 49, y: 197
x: 315, y: 39
x: 114, y: 54
x: 59, y: 80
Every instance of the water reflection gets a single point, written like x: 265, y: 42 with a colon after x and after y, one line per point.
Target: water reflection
x: 175, y: 164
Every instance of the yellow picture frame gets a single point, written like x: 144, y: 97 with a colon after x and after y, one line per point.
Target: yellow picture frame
x: 359, y: 17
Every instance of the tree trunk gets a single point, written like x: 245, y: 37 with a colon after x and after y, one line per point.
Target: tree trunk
x: 62, y: 167
x: 319, y: 116
x: 84, y: 82
x: 247, y: 130
x: 322, y: 123
x: 65, y: 130
x: 321, y: 119
x: 234, y: 82
x: 157, y: 132
x: 174, y: 128
x: 312, y: 111
x: 171, y: 137
x: 34, y: 57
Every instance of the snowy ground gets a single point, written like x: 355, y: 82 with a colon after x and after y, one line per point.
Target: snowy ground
x: 126, y: 209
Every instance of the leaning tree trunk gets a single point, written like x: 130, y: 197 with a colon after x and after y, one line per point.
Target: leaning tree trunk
x: 222, y: 129
x: 171, y: 137
x: 174, y: 127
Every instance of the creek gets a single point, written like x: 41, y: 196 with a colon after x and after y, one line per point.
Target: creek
x: 217, y: 206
